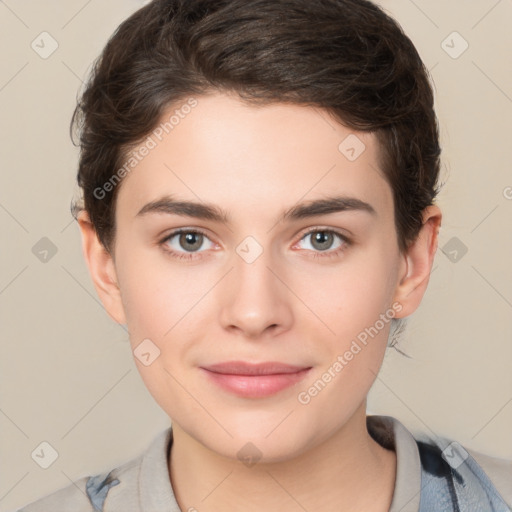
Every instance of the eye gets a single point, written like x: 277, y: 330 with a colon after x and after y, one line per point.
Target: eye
x: 323, y: 239
x: 183, y: 243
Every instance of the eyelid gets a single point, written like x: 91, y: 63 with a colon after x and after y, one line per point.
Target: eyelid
x: 178, y: 231
x: 338, y: 231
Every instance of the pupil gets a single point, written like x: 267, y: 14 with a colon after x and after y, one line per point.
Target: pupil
x: 322, y: 237
x: 189, y: 239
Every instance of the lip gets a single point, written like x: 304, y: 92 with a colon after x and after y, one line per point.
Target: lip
x: 252, y: 380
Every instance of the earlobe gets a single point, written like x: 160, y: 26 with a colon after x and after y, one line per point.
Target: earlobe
x: 102, y: 269
x: 417, y: 263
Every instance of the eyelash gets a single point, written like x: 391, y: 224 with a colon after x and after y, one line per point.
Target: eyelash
x: 317, y: 254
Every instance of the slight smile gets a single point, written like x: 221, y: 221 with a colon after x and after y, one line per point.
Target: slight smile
x: 251, y: 380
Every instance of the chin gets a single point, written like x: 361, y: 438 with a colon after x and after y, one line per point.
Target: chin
x: 253, y: 444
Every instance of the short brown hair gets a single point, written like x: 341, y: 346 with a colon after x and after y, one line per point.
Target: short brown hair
x: 347, y: 57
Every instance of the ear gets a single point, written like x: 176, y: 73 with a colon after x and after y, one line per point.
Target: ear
x: 102, y: 269
x: 417, y: 263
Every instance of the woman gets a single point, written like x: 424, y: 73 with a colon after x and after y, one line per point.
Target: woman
x: 294, y: 146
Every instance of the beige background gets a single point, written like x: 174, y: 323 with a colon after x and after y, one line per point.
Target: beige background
x: 67, y: 374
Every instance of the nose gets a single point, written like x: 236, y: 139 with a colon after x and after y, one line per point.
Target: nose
x: 255, y: 300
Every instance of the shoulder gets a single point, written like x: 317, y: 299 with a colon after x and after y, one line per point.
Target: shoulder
x: 89, y: 493
x: 460, y: 474
x: 498, y: 470
x: 466, y: 476
x: 143, y: 479
x: 73, y: 497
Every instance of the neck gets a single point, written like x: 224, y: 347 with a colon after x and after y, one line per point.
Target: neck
x: 349, y: 471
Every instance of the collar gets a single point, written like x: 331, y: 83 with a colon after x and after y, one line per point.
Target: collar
x: 156, y: 492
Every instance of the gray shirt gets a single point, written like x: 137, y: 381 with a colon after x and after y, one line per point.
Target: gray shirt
x: 143, y: 485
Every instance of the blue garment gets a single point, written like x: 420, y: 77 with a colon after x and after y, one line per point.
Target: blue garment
x: 97, y: 488
x: 465, y: 488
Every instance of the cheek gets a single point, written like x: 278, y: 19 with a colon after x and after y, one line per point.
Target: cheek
x: 158, y: 303
x: 166, y: 305
x: 351, y: 296
x: 156, y: 293
x: 356, y: 307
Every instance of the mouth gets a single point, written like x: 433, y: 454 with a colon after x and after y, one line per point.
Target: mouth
x: 251, y: 380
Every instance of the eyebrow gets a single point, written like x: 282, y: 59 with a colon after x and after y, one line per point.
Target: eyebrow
x: 205, y: 211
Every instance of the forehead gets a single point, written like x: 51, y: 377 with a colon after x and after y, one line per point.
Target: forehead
x: 252, y: 158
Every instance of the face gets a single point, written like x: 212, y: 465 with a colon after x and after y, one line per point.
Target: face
x: 258, y: 273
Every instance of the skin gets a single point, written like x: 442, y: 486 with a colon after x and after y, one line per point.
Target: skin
x: 287, y: 305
